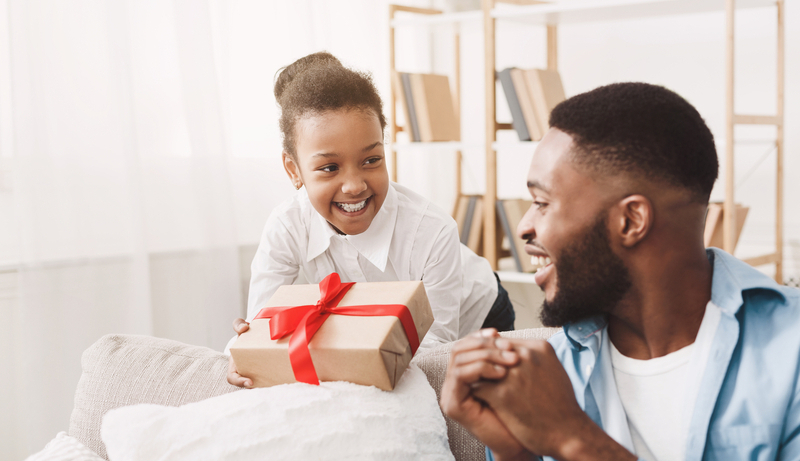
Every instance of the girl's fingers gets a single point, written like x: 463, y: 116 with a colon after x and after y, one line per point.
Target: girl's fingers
x: 240, y: 326
x: 235, y: 378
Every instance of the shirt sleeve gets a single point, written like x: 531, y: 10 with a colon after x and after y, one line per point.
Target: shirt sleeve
x: 442, y: 278
x: 276, y: 263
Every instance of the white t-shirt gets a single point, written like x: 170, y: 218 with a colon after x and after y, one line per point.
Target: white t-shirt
x: 659, y: 394
x: 409, y: 239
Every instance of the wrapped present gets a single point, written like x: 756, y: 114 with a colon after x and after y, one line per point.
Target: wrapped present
x: 364, y: 333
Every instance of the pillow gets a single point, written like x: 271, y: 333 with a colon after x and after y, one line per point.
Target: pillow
x: 120, y: 370
x: 65, y: 448
x: 335, y: 420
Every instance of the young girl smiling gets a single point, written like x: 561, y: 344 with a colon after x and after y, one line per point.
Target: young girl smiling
x: 347, y: 217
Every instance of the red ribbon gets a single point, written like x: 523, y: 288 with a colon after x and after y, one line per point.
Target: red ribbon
x: 302, y: 322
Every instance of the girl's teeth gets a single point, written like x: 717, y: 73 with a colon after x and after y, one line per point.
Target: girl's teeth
x: 351, y: 207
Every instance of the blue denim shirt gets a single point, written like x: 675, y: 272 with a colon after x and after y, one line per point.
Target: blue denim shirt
x: 748, y: 406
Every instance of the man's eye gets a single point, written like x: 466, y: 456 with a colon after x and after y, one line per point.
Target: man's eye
x: 539, y: 205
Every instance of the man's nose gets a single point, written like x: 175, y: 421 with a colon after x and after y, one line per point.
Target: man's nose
x: 525, y: 228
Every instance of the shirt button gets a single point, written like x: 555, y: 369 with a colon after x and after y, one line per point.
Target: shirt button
x: 588, y: 370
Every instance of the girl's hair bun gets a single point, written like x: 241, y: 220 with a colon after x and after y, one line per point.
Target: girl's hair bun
x: 318, y: 83
x: 287, y: 74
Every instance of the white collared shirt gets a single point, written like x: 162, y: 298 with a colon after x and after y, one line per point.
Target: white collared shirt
x: 409, y: 239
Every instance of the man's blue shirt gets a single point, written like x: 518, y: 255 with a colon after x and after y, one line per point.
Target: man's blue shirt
x: 748, y: 405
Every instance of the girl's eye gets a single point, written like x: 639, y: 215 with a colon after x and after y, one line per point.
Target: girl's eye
x: 373, y: 160
x: 329, y: 168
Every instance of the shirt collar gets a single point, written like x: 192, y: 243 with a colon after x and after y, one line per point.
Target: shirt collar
x: 373, y: 244
x: 586, y: 332
x: 732, y: 277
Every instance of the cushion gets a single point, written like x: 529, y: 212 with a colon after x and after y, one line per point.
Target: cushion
x: 464, y: 446
x: 65, y: 448
x: 335, y: 420
x: 120, y: 370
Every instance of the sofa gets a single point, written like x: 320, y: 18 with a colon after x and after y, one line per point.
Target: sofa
x: 120, y: 370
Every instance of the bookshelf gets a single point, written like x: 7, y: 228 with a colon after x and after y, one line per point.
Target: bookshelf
x: 550, y: 15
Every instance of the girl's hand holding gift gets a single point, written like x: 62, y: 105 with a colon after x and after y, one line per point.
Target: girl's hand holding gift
x: 239, y: 326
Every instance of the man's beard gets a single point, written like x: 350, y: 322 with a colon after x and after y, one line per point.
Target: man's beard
x: 591, y: 279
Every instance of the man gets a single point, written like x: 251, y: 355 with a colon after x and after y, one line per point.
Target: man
x: 669, y: 351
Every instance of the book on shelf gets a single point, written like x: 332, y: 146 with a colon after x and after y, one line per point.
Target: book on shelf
x: 510, y: 213
x: 433, y: 104
x: 475, y: 240
x: 412, y: 121
x: 518, y: 119
x: 427, y: 105
x: 460, y: 213
x: 469, y: 219
x: 536, y: 127
x: 546, y: 91
x: 712, y: 235
x: 400, y: 93
x: 531, y: 94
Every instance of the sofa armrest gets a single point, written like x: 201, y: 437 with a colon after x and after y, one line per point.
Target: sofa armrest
x: 120, y: 370
x: 464, y: 446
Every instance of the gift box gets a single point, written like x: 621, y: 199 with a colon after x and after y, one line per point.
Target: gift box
x: 364, y: 333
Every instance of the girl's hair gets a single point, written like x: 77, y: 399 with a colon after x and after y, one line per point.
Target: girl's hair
x: 318, y: 83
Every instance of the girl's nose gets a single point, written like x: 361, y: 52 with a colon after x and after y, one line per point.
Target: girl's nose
x: 354, y: 185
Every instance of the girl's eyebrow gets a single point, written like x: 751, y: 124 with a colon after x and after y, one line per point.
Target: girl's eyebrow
x: 326, y: 154
x: 372, y: 146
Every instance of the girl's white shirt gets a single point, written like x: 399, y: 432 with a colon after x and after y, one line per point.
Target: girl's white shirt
x: 409, y: 239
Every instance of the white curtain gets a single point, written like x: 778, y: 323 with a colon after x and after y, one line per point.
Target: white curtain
x: 139, y: 159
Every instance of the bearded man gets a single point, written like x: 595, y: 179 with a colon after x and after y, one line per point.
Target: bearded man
x: 669, y: 350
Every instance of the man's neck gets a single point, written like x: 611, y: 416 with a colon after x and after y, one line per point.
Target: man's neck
x: 665, y: 306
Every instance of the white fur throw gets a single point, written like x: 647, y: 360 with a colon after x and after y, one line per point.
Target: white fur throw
x: 332, y: 421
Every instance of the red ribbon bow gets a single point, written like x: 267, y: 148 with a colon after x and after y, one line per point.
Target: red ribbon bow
x: 302, y: 322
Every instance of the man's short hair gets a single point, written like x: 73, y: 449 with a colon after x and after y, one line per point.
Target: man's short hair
x: 643, y: 130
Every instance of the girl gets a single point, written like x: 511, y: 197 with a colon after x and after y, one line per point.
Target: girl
x: 349, y: 218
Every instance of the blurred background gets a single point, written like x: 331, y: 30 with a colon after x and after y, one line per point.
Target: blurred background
x: 140, y: 154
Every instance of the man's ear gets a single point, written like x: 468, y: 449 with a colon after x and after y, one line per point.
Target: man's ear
x: 631, y: 220
x: 292, y: 170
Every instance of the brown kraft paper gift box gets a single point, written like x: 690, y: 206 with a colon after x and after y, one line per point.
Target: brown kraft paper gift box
x: 363, y: 350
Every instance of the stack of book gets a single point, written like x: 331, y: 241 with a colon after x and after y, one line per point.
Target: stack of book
x: 531, y: 95
x: 427, y: 105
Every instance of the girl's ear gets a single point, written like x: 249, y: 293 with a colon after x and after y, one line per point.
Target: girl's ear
x: 632, y: 219
x: 292, y: 170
